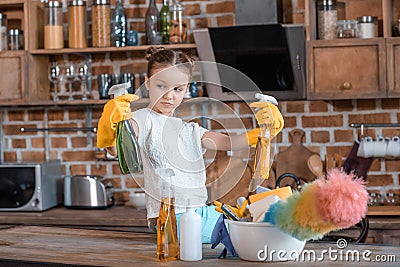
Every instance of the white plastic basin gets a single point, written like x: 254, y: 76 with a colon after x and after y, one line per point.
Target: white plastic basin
x: 261, y: 241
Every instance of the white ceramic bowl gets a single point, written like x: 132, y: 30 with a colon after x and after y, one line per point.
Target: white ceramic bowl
x: 137, y: 200
x: 261, y: 241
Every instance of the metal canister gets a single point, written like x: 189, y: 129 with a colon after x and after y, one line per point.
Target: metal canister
x: 101, y: 23
x: 77, y: 24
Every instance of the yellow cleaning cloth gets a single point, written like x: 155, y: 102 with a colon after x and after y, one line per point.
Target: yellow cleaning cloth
x: 282, y: 193
x: 114, y: 111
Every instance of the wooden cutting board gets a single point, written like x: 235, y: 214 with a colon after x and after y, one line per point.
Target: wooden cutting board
x: 294, y: 158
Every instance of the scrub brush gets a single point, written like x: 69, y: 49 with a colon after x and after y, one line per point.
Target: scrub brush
x: 327, y: 204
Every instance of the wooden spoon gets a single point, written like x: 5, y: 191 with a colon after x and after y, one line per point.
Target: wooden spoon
x: 315, y: 165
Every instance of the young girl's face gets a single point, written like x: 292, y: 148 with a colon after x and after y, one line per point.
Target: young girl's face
x: 167, y: 87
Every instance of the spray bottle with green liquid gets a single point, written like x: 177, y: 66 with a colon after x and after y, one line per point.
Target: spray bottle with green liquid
x: 128, y: 151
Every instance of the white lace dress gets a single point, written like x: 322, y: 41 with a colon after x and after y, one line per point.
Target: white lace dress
x: 169, y: 142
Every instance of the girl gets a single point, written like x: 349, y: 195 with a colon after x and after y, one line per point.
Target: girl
x: 168, y: 142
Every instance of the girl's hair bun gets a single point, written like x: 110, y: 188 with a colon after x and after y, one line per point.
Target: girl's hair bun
x: 153, y: 50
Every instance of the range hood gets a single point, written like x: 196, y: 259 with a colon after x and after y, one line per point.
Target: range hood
x: 272, y: 56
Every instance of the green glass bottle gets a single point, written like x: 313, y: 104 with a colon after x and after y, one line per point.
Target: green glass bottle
x: 128, y: 150
x: 164, y: 21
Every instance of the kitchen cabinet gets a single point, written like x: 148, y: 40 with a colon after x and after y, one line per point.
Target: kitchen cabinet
x: 354, y: 68
x: 393, y: 63
x: 23, y: 80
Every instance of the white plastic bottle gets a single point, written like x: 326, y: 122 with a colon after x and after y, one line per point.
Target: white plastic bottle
x: 190, y: 236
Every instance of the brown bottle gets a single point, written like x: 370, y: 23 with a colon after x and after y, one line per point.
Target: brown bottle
x: 167, y: 236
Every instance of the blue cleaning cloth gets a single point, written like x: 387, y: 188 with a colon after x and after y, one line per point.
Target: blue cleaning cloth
x: 220, y: 235
x: 209, y: 217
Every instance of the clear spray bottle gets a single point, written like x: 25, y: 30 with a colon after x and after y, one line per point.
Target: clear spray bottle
x: 262, y: 158
x: 167, y: 233
x: 128, y: 151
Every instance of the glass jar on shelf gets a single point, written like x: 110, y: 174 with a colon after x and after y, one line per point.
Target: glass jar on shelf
x: 3, y: 32
x: 347, y: 29
x: 77, y: 24
x: 177, y: 26
x: 53, y: 28
x: 15, y: 39
x: 368, y: 27
x: 326, y: 19
x: 396, y: 28
x: 101, y: 23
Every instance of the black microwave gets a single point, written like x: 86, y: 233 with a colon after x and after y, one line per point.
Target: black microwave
x: 30, y: 187
x: 269, y: 59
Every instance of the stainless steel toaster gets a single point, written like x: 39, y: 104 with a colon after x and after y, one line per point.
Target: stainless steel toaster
x: 86, y: 191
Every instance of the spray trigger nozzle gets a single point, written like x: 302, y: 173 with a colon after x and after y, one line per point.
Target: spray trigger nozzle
x: 119, y: 89
x: 266, y: 98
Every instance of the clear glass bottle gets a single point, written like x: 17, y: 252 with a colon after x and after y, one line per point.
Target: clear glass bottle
x: 177, y: 27
x: 119, y: 26
x: 3, y: 32
x: 53, y: 28
x: 101, y: 23
x: 77, y: 24
x: 326, y: 19
x: 165, y: 21
x: 167, y: 237
x: 152, y: 23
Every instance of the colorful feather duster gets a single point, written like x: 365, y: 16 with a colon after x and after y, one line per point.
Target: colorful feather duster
x: 325, y: 205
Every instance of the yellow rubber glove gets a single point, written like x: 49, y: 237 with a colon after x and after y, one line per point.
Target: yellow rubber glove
x: 269, y: 114
x: 114, y: 111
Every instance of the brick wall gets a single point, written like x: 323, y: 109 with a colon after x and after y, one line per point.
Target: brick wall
x: 325, y: 122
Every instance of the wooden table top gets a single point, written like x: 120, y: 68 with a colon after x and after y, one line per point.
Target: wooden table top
x: 115, y: 216
x: 24, y: 245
